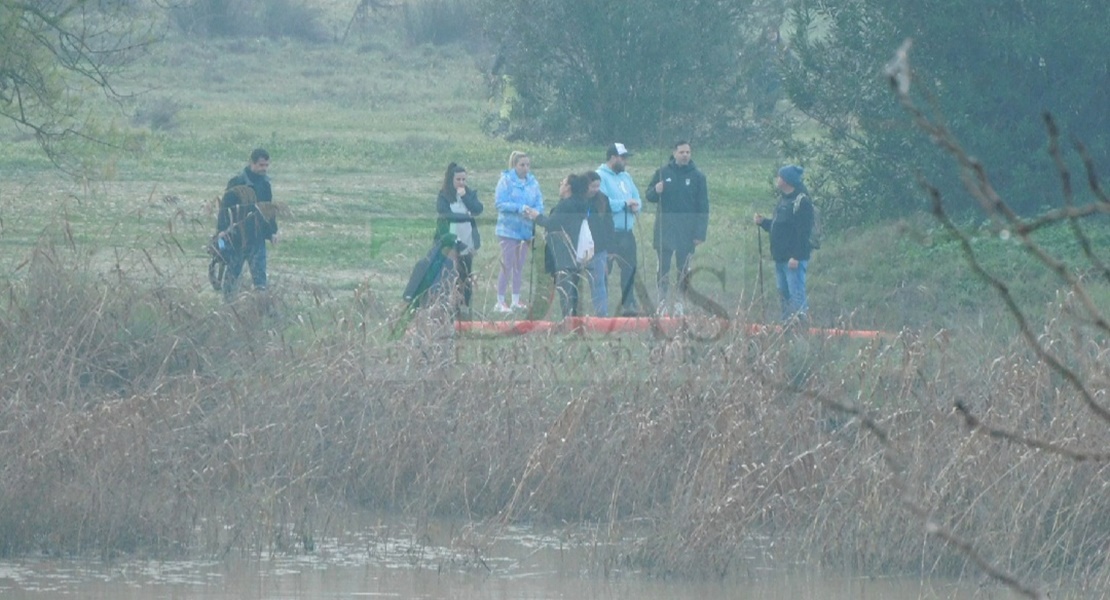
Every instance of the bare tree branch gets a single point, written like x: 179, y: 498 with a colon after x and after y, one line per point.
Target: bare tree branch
x: 1019, y: 316
x: 896, y: 463
x: 977, y: 182
x: 1065, y: 184
x: 978, y: 426
x: 53, y: 46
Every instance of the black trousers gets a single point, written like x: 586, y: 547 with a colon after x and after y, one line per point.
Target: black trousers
x: 623, y: 252
x: 682, y: 258
x: 466, y: 267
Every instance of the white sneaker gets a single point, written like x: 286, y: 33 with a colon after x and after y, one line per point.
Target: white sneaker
x: 518, y: 306
x: 500, y: 307
x: 678, y: 310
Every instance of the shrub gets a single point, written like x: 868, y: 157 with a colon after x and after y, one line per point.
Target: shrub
x: 989, y: 67
x: 607, y: 71
x: 439, y: 22
x: 159, y: 114
x: 243, y: 18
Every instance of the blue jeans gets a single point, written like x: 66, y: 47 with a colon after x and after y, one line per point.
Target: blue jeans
x: 792, y: 288
x: 255, y: 257
x: 596, y: 272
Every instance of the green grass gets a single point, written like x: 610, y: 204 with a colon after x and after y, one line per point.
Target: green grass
x: 359, y: 140
x: 359, y: 137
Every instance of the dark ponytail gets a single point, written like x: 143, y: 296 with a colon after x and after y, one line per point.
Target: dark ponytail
x: 448, y: 188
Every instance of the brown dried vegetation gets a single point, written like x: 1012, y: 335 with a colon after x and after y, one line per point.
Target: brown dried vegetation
x: 151, y: 420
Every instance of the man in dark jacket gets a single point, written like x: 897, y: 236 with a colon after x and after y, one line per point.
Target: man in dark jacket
x: 790, y: 229
x: 681, y: 221
x: 247, y: 219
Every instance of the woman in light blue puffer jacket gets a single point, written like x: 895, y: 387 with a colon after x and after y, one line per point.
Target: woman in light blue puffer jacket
x: 516, y: 190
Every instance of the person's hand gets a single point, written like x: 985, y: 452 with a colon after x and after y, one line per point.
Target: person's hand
x: 792, y: 263
x: 529, y: 212
x: 659, y: 188
x: 758, y: 219
x: 274, y: 239
x: 633, y: 204
x: 460, y: 192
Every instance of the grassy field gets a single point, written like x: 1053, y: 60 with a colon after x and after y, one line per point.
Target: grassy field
x: 360, y: 138
x: 360, y: 134
x: 235, y: 415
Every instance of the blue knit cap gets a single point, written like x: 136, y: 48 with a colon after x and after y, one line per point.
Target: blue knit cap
x: 792, y: 174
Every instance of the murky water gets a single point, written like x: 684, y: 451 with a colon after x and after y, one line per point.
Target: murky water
x: 519, y: 566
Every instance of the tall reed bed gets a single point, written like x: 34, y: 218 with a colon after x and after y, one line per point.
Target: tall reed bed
x: 156, y: 420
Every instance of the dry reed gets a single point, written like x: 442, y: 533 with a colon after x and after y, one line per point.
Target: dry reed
x: 151, y: 420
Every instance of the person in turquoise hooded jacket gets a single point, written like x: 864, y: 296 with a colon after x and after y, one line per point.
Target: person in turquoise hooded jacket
x: 624, y: 200
x: 516, y: 191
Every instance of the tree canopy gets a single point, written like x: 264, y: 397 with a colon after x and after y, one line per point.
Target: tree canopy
x: 991, y: 67
x: 53, y: 52
x: 611, y: 70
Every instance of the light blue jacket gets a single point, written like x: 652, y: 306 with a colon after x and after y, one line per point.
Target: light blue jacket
x: 511, y: 196
x: 619, y: 188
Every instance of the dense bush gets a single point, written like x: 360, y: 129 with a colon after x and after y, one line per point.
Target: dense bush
x: 158, y: 113
x: 606, y: 71
x: 243, y: 18
x: 991, y: 68
x: 49, y: 50
x: 441, y: 21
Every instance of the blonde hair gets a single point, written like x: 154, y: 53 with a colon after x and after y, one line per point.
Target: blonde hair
x: 515, y: 157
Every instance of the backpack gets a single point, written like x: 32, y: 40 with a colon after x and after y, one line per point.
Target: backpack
x: 816, y: 233
x: 432, y: 276
x: 219, y: 250
x: 223, y: 243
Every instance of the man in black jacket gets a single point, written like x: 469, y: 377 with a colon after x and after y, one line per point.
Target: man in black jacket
x: 681, y: 221
x: 247, y: 219
x: 790, y: 229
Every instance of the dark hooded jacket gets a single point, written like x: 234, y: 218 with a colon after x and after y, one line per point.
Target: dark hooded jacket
x: 248, y: 205
x: 601, y: 223
x: 683, y: 214
x: 563, y: 225
x: 791, y: 226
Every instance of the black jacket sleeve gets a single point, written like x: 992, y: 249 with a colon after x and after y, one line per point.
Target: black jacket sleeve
x: 701, y: 204
x: 228, y: 209
x: 473, y: 204
x: 652, y: 195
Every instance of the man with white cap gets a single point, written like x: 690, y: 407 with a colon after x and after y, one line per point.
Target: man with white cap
x: 624, y: 199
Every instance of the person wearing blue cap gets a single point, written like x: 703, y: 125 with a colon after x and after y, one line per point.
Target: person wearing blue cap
x: 790, y: 228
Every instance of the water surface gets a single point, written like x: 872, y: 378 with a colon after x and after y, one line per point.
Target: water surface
x: 370, y: 564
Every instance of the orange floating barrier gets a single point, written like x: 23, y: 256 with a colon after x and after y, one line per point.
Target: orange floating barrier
x: 665, y: 325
